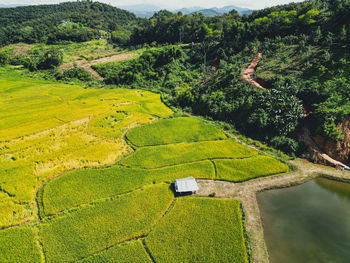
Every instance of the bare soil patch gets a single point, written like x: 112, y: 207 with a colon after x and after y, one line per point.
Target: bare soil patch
x: 248, y: 72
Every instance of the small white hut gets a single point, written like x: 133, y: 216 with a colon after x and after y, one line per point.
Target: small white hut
x: 186, y: 185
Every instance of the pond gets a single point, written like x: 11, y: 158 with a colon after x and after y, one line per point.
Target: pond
x: 307, y: 223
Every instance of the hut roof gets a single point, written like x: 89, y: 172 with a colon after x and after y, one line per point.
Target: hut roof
x: 188, y: 184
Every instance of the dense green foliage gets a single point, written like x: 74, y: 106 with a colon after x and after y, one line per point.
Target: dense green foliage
x: 77, y: 73
x: 249, y: 168
x: 319, y: 75
x: 172, y: 154
x: 154, y: 68
x: 19, y: 245
x: 103, y: 224
x: 175, y: 130
x: 200, y: 230
x: 72, y: 21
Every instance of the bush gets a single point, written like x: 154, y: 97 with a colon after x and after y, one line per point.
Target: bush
x: 19, y: 60
x: 77, y: 73
x: 121, y: 37
x: 284, y: 144
x: 50, y: 59
x: 3, y: 58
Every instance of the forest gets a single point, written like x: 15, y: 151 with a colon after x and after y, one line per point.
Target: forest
x: 70, y: 21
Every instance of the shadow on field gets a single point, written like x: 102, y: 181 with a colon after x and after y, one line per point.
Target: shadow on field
x: 172, y: 188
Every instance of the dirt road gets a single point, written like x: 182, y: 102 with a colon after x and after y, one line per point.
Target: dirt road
x: 86, y: 65
x: 248, y: 72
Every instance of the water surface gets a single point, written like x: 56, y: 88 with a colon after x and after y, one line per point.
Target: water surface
x: 307, y: 223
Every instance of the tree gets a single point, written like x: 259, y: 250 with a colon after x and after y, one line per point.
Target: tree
x: 121, y: 36
x: 207, y: 37
x: 50, y: 59
x: 3, y: 58
x: 276, y: 112
x: 343, y: 34
x: 317, y: 35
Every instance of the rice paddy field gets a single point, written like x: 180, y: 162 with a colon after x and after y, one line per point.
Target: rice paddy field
x: 86, y: 176
x: 209, y: 230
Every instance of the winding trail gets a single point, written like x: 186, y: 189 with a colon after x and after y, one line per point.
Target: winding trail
x: 248, y: 72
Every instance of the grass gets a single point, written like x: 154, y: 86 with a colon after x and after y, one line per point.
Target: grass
x: 175, y: 130
x: 94, y: 227
x: 83, y: 186
x: 250, y: 168
x: 160, y: 156
x: 132, y: 251
x: 200, y: 230
x: 49, y: 128
x: 19, y: 245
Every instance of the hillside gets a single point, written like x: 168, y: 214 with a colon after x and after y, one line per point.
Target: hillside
x: 147, y: 10
x: 211, y: 12
x: 142, y: 10
x: 304, y: 55
x: 39, y: 23
x: 305, y: 64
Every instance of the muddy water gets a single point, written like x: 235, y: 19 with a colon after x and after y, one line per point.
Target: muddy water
x: 307, y: 223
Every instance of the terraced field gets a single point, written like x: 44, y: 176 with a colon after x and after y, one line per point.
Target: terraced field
x: 82, y: 181
x: 48, y: 128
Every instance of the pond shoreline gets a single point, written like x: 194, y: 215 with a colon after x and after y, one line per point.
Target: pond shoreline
x: 247, y: 193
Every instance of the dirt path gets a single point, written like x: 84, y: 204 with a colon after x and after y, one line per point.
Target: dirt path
x: 248, y: 72
x: 246, y: 192
x: 86, y: 65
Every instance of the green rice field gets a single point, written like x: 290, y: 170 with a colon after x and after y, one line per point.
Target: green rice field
x: 86, y: 175
x: 165, y: 155
x: 127, y: 252
x: 249, y: 168
x: 196, y: 230
x: 167, y: 131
